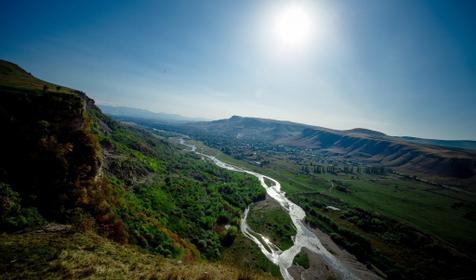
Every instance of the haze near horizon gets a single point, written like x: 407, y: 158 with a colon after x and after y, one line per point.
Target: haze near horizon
x: 402, y: 67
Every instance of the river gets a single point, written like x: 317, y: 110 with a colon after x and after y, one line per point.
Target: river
x: 304, y: 238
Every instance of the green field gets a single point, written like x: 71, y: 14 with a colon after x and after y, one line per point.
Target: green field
x: 268, y: 218
x: 436, y: 211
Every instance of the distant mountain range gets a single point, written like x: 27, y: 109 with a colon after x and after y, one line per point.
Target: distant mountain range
x: 462, y: 144
x: 121, y: 111
x: 137, y: 113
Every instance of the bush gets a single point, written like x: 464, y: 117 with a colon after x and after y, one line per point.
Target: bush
x: 230, y: 235
x: 9, y: 201
x: 12, y: 215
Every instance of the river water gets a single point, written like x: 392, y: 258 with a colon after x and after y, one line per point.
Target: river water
x: 304, y: 238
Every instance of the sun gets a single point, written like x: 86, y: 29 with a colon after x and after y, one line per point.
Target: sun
x: 292, y: 27
x: 298, y: 31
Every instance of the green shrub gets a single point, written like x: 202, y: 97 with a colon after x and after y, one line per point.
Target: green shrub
x: 12, y: 215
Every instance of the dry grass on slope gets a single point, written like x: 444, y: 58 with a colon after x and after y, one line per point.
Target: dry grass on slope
x: 13, y: 76
x: 67, y: 255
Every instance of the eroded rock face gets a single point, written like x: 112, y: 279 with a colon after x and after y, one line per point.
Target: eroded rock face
x: 48, y: 151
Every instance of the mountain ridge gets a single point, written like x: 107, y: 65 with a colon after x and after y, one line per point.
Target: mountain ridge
x: 126, y: 111
x: 461, y: 144
x: 445, y: 165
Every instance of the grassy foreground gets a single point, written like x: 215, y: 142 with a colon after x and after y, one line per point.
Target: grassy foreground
x: 70, y: 255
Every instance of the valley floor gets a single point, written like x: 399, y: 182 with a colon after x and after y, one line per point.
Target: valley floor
x: 407, y: 228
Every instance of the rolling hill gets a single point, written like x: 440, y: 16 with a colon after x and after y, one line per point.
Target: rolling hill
x: 446, y: 165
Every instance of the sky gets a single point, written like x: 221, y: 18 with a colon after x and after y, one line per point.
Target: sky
x: 403, y: 67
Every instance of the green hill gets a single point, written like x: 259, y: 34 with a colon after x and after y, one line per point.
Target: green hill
x: 63, y: 161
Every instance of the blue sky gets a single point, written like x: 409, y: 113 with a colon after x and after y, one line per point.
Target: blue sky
x: 401, y: 67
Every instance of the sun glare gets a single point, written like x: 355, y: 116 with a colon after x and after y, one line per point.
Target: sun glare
x: 299, y: 31
x: 292, y: 27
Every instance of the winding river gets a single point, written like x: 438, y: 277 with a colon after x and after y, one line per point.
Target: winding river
x: 304, y: 238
